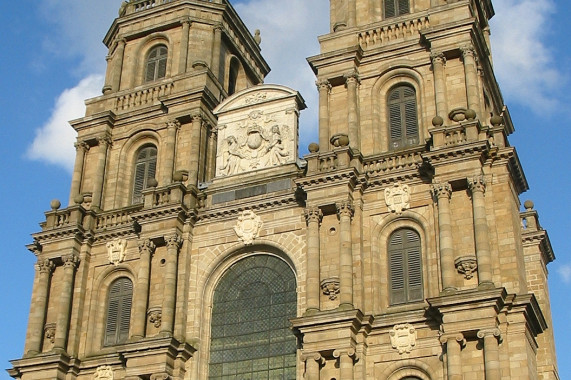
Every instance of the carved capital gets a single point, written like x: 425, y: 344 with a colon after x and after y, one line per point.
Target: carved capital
x: 350, y: 352
x: 313, y: 214
x: 316, y: 356
x: 218, y: 27
x: 352, y: 77
x: 173, y: 241
x: 197, y: 117
x: 104, y: 141
x: 70, y: 261
x: 438, y: 58
x: 323, y: 85
x: 45, y: 266
x: 345, y: 208
x: 441, y: 190
x: 477, y: 184
x: 185, y: 20
x: 147, y: 247
x: 81, y: 146
x: 451, y: 337
x: 493, y: 331
x: 173, y: 124
x: 468, y: 51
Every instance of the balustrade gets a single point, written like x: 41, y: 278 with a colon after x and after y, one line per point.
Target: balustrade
x: 386, y: 33
x: 143, y: 97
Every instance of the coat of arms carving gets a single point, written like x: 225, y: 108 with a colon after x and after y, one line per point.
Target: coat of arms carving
x: 248, y: 227
x: 116, y: 251
x: 104, y: 372
x: 397, y: 198
x: 403, y: 338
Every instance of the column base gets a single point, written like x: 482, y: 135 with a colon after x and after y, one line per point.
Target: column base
x: 486, y: 285
x: 346, y: 306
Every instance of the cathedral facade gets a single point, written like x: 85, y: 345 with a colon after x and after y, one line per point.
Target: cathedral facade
x: 198, y: 244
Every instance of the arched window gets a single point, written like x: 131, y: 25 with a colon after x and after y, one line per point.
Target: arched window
x: 395, y: 8
x: 250, y: 335
x: 118, y: 311
x: 403, y: 120
x: 233, y: 75
x: 145, y: 169
x: 156, y: 64
x: 405, y: 266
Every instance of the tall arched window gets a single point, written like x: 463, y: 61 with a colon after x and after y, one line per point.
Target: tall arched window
x: 250, y: 335
x: 405, y: 266
x: 156, y: 64
x: 395, y: 8
x: 403, y: 120
x: 233, y: 75
x: 145, y: 169
x: 118, y: 311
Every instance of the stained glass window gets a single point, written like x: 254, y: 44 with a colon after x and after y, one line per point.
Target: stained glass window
x: 250, y: 334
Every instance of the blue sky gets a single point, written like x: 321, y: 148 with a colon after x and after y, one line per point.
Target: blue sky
x: 53, y: 58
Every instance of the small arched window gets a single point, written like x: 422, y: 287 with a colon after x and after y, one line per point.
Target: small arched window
x: 233, y: 75
x: 403, y: 119
x: 118, y: 311
x: 405, y: 266
x: 145, y: 169
x: 156, y: 64
x: 395, y: 8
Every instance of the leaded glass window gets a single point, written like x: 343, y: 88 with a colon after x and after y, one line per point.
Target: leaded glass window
x: 405, y: 266
x: 250, y: 334
x: 118, y: 311
x: 403, y: 120
x: 145, y: 169
x: 156, y: 65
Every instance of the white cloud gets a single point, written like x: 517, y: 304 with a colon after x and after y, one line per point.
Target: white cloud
x: 565, y: 273
x: 54, y: 140
x: 523, y: 62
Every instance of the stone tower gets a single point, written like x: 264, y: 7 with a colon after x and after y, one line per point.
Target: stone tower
x: 197, y: 245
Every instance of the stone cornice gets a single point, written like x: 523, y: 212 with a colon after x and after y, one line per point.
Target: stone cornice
x: 541, y: 239
x: 509, y: 156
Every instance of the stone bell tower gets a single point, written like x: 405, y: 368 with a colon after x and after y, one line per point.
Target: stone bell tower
x: 198, y: 245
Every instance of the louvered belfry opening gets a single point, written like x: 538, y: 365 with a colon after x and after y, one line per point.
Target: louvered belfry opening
x: 156, y: 67
x: 395, y: 8
x: 250, y: 334
x: 405, y: 266
x: 118, y: 311
x: 403, y: 120
x: 145, y: 169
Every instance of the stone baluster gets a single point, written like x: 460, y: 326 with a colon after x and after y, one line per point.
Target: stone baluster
x: 453, y: 344
x: 216, y: 51
x: 477, y: 186
x: 313, y: 218
x: 471, y: 73
x: 194, y: 148
x: 104, y: 143
x: 169, y: 154
x: 81, y: 148
x: 352, y: 82
x: 140, y: 303
x: 346, y: 360
x: 70, y: 263
x: 174, y: 243
x: 182, y: 65
x: 438, y: 65
x: 442, y: 193
x: 345, y: 214
x: 44, y: 269
x: 324, y: 88
x: 118, y: 64
x: 313, y: 363
x: 491, y: 339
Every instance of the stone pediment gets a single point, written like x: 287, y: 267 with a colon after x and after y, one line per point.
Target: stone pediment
x: 257, y: 129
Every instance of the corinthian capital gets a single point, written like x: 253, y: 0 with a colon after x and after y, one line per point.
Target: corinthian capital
x: 81, y: 146
x: 173, y: 241
x: 147, y: 246
x: 173, y: 124
x: 468, y: 51
x: 345, y: 208
x: 104, y: 141
x: 477, y: 184
x: 313, y: 214
x: 45, y: 266
x: 352, y: 77
x: 70, y: 261
x: 438, y: 58
x: 323, y: 84
x: 441, y: 190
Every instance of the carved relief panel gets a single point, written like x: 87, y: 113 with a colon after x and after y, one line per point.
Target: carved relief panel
x: 257, y: 129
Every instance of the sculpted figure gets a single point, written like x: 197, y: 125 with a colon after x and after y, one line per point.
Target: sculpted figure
x: 277, y: 152
x: 234, y: 156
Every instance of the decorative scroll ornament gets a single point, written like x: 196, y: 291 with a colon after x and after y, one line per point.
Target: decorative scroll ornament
x: 116, y: 251
x: 403, y: 338
x: 104, y: 372
x: 397, y: 198
x: 248, y: 227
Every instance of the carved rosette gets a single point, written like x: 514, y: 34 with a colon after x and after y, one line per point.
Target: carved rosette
x: 116, y: 251
x: 403, y: 338
x: 330, y: 287
x: 104, y: 372
x: 397, y: 198
x: 466, y: 265
x: 248, y: 227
